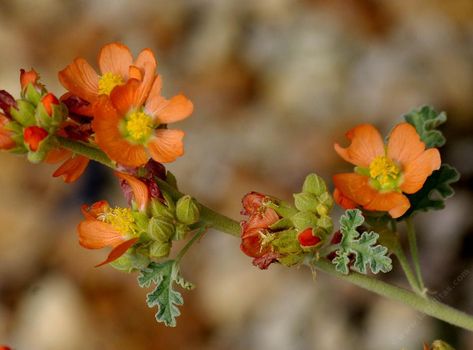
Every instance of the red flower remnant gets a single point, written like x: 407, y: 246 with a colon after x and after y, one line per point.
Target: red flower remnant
x: 48, y: 101
x: 307, y: 238
x: 33, y: 136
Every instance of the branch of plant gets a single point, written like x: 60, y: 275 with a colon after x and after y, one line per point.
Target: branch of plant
x: 411, y: 237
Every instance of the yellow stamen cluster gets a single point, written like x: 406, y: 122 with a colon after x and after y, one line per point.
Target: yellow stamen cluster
x: 121, y: 219
x: 139, y: 126
x: 108, y: 82
x: 384, y: 170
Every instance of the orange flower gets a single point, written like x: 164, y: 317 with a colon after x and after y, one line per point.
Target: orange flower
x: 112, y: 227
x: 382, y: 174
x: 130, y: 129
x: 116, y: 67
x: 6, y: 141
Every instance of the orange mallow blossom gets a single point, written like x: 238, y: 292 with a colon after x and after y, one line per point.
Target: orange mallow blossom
x: 130, y: 127
x: 116, y: 67
x: 383, y: 173
x: 105, y: 226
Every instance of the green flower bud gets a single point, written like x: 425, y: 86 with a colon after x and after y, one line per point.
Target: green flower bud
x: 326, y: 200
x: 160, y: 229
x: 291, y: 259
x: 32, y: 94
x: 306, y: 201
x: 159, y: 250
x: 286, y: 242
x: 131, y: 261
x: 181, y: 231
x: 326, y: 224
x: 303, y: 220
x: 24, y: 114
x: 187, y: 210
x: 141, y: 220
x: 314, y: 184
x: 158, y: 209
x: 169, y: 201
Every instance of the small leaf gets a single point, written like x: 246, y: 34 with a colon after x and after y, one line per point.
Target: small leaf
x: 164, y: 275
x: 367, y: 255
x: 437, y: 185
x: 426, y: 120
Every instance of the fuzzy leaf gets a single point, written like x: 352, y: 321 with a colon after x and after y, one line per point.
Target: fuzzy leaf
x: 426, y: 120
x: 164, y: 275
x: 437, y: 188
x: 362, y: 247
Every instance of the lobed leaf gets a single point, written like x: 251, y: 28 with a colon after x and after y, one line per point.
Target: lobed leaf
x: 367, y: 255
x: 426, y: 120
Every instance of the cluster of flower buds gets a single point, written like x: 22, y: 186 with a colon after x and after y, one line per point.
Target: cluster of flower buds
x: 142, y: 232
x: 278, y: 231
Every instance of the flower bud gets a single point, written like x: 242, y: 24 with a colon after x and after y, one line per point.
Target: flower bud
x: 307, y: 238
x: 303, y: 220
x: 306, y: 201
x: 314, y: 184
x: 160, y: 229
x: 24, y: 113
x: 48, y: 101
x: 133, y: 260
x: 33, y: 136
x: 187, y: 210
x: 158, y: 209
x: 159, y: 250
x: 181, y: 231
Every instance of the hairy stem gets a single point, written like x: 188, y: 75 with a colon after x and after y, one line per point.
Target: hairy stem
x: 401, y: 257
x: 411, y: 237
x: 220, y: 222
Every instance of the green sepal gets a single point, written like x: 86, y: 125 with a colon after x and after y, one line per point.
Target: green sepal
x: 161, y: 229
x: 31, y: 94
x: 282, y: 224
x: 282, y: 208
x: 187, y: 210
x: 164, y: 275
x: 326, y: 224
x: 291, y: 259
x: 314, y: 184
x: 305, y: 201
x: 53, y: 121
x: 43, y: 149
x: 171, y: 179
x: 169, y: 201
x: 181, y: 231
x: 158, y: 209
x: 24, y: 113
x: 158, y: 250
x: 437, y: 188
x: 426, y: 120
x: 303, y: 220
x: 286, y: 242
x: 131, y: 261
x: 325, y: 203
x: 363, y: 247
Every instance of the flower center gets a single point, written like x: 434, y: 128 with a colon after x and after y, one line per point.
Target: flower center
x: 121, y: 219
x: 139, y: 126
x: 108, y: 81
x: 384, y: 171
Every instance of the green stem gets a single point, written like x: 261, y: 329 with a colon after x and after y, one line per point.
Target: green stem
x: 411, y: 237
x: 428, y: 306
x: 220, y: 222
x: 401, y: 257
x: 200, y: 232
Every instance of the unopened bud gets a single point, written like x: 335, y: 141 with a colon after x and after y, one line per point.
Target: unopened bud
x: 181, y: 231
x: 48, y: 101
x: 158, y: 209
x: 24, y: 113
x: 33, y: 136
x: 314, y: 184
x: 160, y: 229
x: 187, y: 210
x: 306, y: 201
x: 159, y: 249
x: 303, y: 220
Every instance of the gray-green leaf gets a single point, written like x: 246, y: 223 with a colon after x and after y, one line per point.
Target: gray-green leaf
x: 426, y: 120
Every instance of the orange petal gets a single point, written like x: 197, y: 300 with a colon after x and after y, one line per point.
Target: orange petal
x: 80, y: 79
x: 115, y: 58
x: 95, y: 234
x: 404, y: 144
x: 72, y: 168
x: 155, y: 100
x: 418, y: 170
x: 355, y: 187
x: 343, y: 201
x: 109, y: 138
x: 166, y: 146
x: 135, y: 73
x: 147, y: 63
x: 366, y: 145
x: 118, y: 251
x: 393, y: 202
x: 260, y: 220
x: 139, y: 188
x: 92, y: 212
x: 26, y: 78
x: 57, y: 155
x: 125, y: 97
x: 177, y: 108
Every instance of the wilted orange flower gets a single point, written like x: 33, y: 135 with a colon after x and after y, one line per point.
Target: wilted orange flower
x: 116, y: 67
x: 130, y: 127
x: 383, y: 173
x: 112, y: 227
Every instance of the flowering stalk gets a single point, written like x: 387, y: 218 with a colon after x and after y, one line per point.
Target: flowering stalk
x: 222, y: 223
x: 411, y: 236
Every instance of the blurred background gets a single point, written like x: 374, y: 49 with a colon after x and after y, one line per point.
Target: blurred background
x: 274, y: 83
